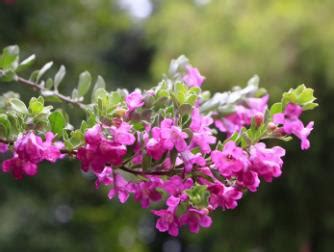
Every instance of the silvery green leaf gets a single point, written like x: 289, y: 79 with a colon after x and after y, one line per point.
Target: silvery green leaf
x: 18, y: 106
x: 43, y: 70
x: 85, y: 80
x: 26, y: 63
x: 59, y: 76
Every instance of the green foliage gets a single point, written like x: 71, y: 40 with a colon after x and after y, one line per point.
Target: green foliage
x: 198, y: 196
x: 302, y: 96
x: 57, y: 122
x: 85, y: 81
x: 58, y: 77
x: 9, y: 59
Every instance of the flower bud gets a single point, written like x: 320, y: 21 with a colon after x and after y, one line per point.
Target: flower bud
x: 258, y: 119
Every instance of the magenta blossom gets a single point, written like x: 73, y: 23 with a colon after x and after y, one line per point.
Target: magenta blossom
x: 168, y: 221
x: 175, y: 185
x: 121, y: 188
x: 122, y: 134
x: 231, y: 160
x: 248, y: 179
x: 155, y: 146
x: 267, y: 162
x: 202, y: 134
x: 134, y: 100
x: 193, y: 78
x: 146, y: 191
x: 251, y: 108
x: 293, y: 125
x: 172, y: 136
x: 104, y: 178
x: 100, y: 151
x: 19, y: 167
x: 195, y: 219
x: 3, y: 147
x: 223, y: 196
x: 30, y: 150
x: 29, y: 147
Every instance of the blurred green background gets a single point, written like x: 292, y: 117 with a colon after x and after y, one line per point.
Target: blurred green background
x: 130, y: 43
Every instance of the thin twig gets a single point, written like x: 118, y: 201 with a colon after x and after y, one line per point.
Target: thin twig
x: 40, y: 88
x: 158, y: 173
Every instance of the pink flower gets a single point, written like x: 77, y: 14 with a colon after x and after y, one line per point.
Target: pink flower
x: 29, y: 150
x: 29, y: 147
x: 248, y: 179
x: 175, y: 185
x: 105, y: 177
x: 121, y: 188
x: 202, y: 134
x: 252, y: 107
x: 267, y: 162
x: 223, y: 196
x: 190, y: 160
x: 172, y: 136
x: 52, y: 149
x: 122, y: 134
x: 134, y: 100
x: 146, y: 191
x: 231, y: 160
x: 100, y: 151
x: 93, y: 136
x: 3, y: 148
x: 19, y: 167
x: 293, y: 125
x: 168, y: 221
x: 195, y: 219
x: 193, y: 78
x: 154, y: 146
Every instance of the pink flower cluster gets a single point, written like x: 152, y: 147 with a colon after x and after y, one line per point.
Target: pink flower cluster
x: 29, y: 151
x: 224, y: 173
x: 250, y: 108
x: 105, y: 146
x: 293, y: 125
x: 178, y: 161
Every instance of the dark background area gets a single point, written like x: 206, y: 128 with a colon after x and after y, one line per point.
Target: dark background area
x: 130, y: 43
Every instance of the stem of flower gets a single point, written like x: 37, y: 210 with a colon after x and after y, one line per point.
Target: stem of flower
x: 158, y: 173
x: 36, y: 86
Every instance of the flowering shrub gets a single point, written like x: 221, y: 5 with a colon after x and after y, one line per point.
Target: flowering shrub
x: 171, y: 145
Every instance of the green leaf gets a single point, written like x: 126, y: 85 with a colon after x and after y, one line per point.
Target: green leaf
x: 59, y: 76
x: 276, y: 108
x: 57, y: 122
x: 25, y: 64
x: 138, y: 126
x: 77, y: 138
x: 147, y: 162
x: 302, y: 96
x: 18, y: 106
x: 310, y: 106
x: 198, y: 196
x: 115, y: 98
x: 33, y: 75
x: 8, y: 75
x: 5, y: 126
x: 191, y: 99
x: 100, y: 83
x: 185, y: 109
x: 85, y: 81
x: 180, y: 92
x: 35, y: 106
x: 43, y: 70
x: 49, y: 83
x: 9, y: 59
